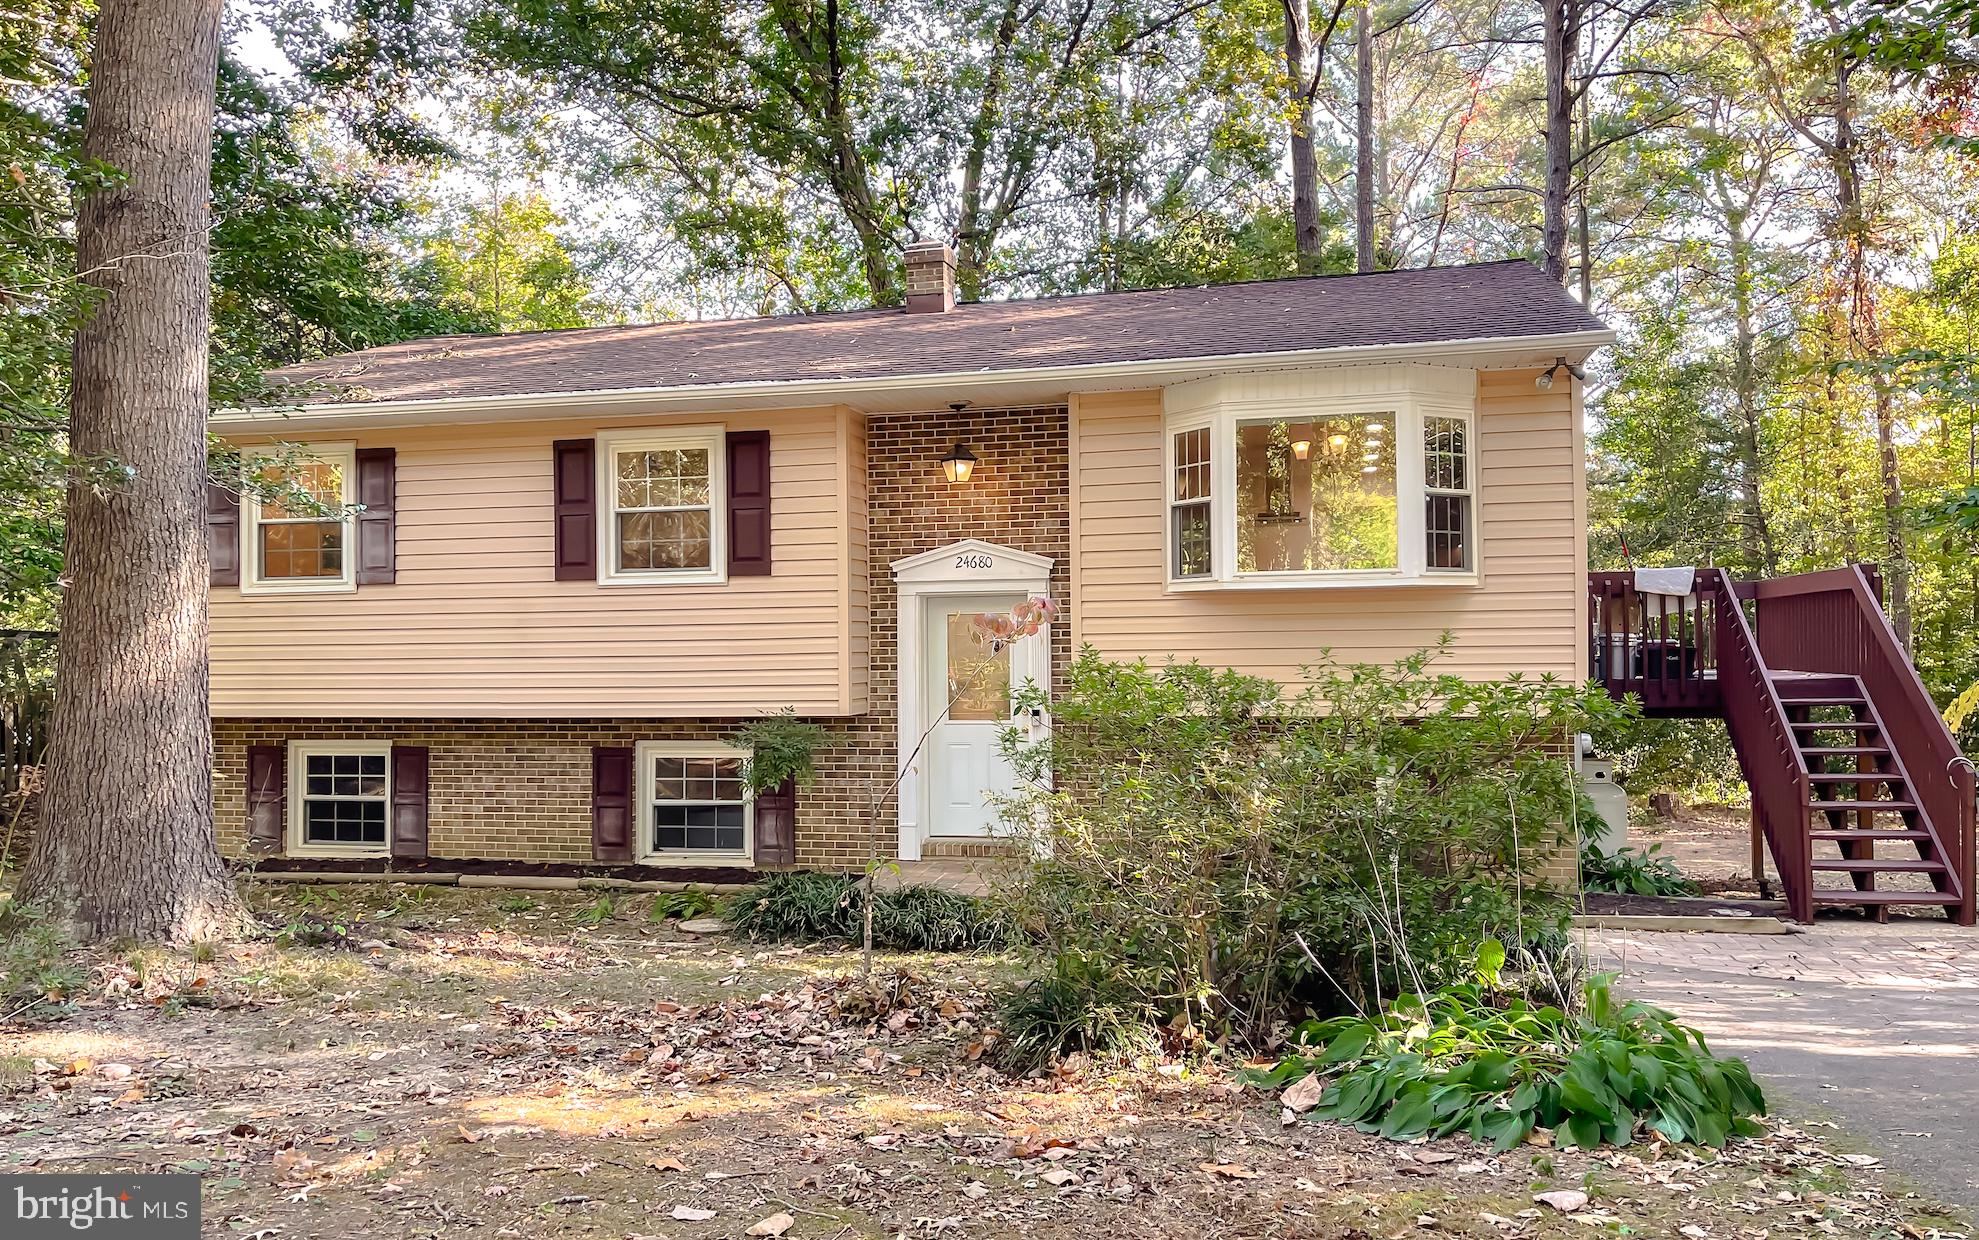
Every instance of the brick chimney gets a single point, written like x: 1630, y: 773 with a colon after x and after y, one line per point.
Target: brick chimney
x: 930, y: 278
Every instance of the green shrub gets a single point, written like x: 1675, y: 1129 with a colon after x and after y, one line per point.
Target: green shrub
x: 684, y: 905
x: 781, y: 747
x: 809, y: 907
x: 1232, y: 857
x: 1633, y: 871
x: 1458, y: 1062
x: 36, y: 974
x: 1059, y: 1014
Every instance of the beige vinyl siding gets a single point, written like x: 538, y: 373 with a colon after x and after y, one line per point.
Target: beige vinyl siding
x: 1526, y: 616
x: 476, y: 625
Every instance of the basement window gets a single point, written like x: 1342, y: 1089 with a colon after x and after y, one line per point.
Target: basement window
x: 340, y: 799
x: 694, y: 804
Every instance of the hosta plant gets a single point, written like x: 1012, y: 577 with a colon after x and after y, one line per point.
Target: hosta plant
x: 1633, y: 871
x: 1456, y: 1061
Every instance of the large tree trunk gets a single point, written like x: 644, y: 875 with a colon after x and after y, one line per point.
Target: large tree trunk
x: 1306, y: 236
x: 126, y: 843
x: 1561, y: 31
x: 1364, y: 138
x: 1758, y: 537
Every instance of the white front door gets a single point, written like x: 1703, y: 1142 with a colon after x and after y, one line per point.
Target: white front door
x: 964, y: 763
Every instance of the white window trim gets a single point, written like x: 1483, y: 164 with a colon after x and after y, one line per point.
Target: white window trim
x: 643, y: 851
x: 1222, y: 411
x: 343, y: 455
x: 610, y: 444
x: 299, y: 784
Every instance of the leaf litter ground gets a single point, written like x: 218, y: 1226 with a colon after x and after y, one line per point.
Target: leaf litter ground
x: 469, y: 1063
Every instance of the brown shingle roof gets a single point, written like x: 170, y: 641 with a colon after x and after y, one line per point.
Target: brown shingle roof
x: 1487, y: 301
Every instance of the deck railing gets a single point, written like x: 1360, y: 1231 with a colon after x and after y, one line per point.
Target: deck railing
x: 1661, y: 648
x: 1762, y: 733
x: 1833, y: 622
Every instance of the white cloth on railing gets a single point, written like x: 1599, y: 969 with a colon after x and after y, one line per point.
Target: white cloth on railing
x: 1667, y: 591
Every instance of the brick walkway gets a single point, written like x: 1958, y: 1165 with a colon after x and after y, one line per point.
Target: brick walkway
x: 1878, y: 1025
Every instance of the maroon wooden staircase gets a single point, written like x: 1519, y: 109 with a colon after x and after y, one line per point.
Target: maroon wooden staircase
x: 1858, y: 790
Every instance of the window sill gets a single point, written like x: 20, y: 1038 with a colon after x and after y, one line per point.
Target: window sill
x: 252, y: 588
x: 686, y: 857
x: 349, y: 853
x: 665, y: 579
x: 1462, y: 581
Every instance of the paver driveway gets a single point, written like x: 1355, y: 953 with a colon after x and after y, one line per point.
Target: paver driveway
x: 1879, y: 1024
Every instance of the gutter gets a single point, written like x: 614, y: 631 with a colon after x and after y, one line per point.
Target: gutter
x: 1484, y: 352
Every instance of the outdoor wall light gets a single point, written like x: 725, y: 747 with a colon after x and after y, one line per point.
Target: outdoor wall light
x: 1545, y: 382
x: 959, y: 463
x: 1301, y: 448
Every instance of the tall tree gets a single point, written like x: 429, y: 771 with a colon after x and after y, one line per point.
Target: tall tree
x: 1305, y: 72
x: 126, y: 843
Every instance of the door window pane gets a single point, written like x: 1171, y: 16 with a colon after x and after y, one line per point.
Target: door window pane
x: 978, y: 681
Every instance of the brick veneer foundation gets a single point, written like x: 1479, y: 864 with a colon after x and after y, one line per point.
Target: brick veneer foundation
x: 521, y: 789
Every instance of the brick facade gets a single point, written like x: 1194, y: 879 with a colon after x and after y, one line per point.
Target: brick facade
x: 521, y: 789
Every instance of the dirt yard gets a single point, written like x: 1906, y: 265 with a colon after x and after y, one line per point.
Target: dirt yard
x: 426, y: 1062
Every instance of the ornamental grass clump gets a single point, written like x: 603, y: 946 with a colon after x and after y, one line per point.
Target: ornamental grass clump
x: 1468, y: 1059
x: 808, y: 907
x: 1232, y: 858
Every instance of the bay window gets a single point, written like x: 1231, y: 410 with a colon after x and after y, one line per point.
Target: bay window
x: 1347, y: 477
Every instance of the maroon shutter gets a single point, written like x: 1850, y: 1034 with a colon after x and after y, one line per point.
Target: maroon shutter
x: 267, y: 797
x: 377, y: 484
x: 574, y: 466
x: 776, y: 825
x: 611, y: 803
x: 749, y: 503
x: 408, y: 800
x: 223, y: 534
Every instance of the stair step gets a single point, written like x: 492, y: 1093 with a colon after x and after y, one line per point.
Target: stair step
x: 1854, y: 777
x: 1842, y: 751
x: 1826, y: 833
x: 1858, y: 725
x: 1825, y: 699
x: 1836, y: 895
x: 1892, y: 865
x: 1872, y: 806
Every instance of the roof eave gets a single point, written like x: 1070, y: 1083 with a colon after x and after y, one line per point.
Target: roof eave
x: 894, y: 392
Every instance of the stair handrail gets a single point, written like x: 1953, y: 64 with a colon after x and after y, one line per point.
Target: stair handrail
x: 1761, y: 731
x: 1878, y: 660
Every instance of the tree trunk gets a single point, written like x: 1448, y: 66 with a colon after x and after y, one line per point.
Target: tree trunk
x: 1560, y: 32
x: 1760, y: 549
x: 1306, y: 236
x: 1364, y: 138
x: 126, y: 843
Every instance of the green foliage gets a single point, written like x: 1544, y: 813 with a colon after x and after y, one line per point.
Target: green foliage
x: 1692, y: 758
x: 683, y: 905
x: 781, y: 747
x: 1464, y: 1060
x: 1227, y: 856
x: 1633, y: 871
x: 37, y: 974
x: 807, y: 907
x: 1061, y: 1013
x: 599, y: 911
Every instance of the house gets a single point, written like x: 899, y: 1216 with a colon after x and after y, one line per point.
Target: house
x: 584, y: 557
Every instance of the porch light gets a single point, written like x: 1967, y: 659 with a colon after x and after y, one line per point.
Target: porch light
x: 1301, y: 448
x: 959, y: 463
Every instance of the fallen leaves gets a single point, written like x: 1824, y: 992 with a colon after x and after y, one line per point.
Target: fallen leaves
x: 1565, y: 1200
x: 775, y: 1225
x: 692, y: 1214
